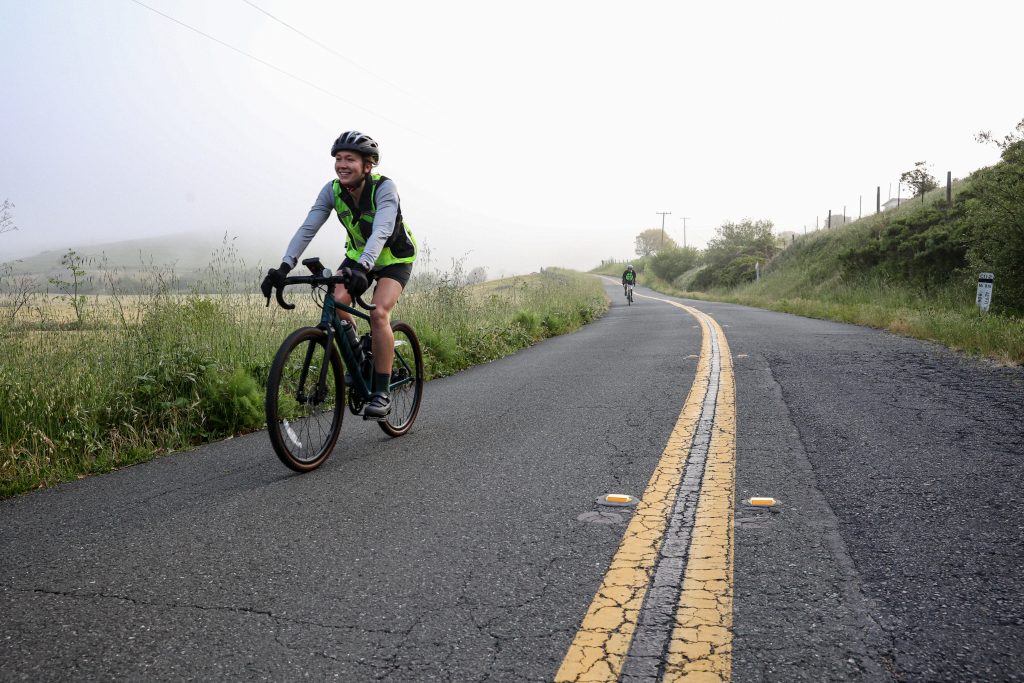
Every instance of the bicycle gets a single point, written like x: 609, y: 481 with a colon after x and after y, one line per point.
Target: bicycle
x: 306, y: 388
x: 629, y: 294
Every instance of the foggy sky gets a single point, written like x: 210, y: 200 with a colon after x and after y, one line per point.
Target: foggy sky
x: 521, y: 134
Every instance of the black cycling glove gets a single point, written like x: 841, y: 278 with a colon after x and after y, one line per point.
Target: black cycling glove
x: 358, y: 282
x: 275, y: 278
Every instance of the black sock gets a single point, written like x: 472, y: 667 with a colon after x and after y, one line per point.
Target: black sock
x: 381, y: 381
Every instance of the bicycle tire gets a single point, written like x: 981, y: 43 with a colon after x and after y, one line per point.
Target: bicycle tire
x: 408, y: 369
x: 304, y: 443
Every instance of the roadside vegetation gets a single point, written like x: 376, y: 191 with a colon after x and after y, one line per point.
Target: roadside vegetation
x: 912, y: 270
x: 92, y: 382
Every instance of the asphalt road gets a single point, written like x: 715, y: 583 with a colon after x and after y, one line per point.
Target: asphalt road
x: 468, y: 550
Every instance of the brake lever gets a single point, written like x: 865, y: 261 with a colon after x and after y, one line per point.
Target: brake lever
x: 345, y: 274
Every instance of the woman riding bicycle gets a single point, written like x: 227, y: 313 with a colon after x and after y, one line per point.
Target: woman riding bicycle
x: 378, y: 245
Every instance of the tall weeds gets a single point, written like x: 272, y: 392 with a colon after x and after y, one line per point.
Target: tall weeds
x: 121, y: 377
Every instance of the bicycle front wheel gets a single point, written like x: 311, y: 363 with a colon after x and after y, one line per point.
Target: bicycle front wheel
x: 304, y: 414
x: 406, y: 381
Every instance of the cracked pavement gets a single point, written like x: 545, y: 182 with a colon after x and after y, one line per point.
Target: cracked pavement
x: 470, y: 549
x: 895, y: 551
x: 455, y: 553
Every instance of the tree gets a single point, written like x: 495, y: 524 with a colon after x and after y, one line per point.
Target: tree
x: 652, y: 241
x: 732, y: 255
x: 7, y: 217
x: 919, y: 179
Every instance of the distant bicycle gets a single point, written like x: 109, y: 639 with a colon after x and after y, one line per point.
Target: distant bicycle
x: 306, y: 388
x: 629, y: 294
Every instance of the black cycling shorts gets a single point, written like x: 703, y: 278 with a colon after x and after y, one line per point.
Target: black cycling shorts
x: 400, y: 272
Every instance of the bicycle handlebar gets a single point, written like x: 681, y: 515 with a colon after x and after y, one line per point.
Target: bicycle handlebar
x: 317, y: 280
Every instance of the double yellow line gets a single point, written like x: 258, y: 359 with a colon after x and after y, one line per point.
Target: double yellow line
x: 699, y: 645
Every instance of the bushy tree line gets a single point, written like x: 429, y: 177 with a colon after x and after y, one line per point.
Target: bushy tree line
x: 731, y: 257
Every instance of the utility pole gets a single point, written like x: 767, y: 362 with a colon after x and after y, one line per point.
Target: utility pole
x: 684, y: 231
x: 663, y: 214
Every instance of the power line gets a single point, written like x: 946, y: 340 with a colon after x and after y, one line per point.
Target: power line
x: 275, y: 68
x: 328, y: 48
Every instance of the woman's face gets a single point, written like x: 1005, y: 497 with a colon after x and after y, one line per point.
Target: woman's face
x: 350, y: 167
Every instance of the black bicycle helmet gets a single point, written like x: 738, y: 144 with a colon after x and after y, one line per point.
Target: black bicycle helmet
x: 357, y: 142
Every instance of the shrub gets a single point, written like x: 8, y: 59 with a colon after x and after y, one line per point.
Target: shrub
x: 731, y: 255
x: 230, y: 403
x: 923, y: 247
x: 529, y: 321
x: 671, y: 263
x: 996, y: 208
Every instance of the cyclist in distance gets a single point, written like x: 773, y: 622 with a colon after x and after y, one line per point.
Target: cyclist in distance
x: 628, y: 277
x: 378, y: 245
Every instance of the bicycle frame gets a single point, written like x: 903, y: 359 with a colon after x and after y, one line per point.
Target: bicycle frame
x: 330, y: 321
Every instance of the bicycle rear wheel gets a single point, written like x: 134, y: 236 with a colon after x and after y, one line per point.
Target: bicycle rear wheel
x: 406, y: 381
x: 303, y: 419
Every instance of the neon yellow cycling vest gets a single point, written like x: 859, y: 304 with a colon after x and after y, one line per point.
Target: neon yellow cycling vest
x: 400, y: 247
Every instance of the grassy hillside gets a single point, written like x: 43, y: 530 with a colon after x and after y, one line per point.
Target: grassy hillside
x: 183, y: 260
x: 912, y: 270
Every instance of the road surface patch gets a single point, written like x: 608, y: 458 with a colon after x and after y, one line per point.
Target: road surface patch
x: 664, y: 608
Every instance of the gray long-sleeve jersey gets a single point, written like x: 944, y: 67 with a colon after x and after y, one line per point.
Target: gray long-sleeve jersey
x: 383, y: 223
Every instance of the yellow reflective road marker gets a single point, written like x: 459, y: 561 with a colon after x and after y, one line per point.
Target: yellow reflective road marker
x: 766, y: 502
x: 701, y: 641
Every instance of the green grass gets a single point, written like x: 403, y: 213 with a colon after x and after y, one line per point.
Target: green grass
x: 946, y: 315
x: 810, y: 286
x: 150, y: 374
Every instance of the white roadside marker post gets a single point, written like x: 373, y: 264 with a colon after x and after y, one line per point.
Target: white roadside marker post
x: 984, y: 298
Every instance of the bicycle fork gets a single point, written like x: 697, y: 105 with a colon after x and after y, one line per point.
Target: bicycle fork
x: 320, y: 389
